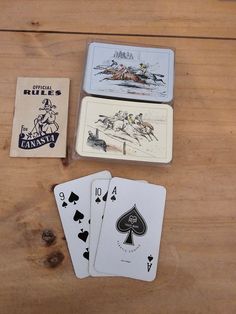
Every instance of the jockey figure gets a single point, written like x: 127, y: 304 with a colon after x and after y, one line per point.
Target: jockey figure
x: 139, y: 118
x: 131, y: 119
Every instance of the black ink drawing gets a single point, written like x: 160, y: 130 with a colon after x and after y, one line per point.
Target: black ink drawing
x: 94, y: 141
x: 44, y: 130
x: 130, y: 126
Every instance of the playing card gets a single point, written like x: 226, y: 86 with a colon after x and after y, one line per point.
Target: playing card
x: 99, y: 192
x: 125, y: 130
x: 134, y: 72
x: 40, y: 119
x: 131, y: 229
x: 73, y: 202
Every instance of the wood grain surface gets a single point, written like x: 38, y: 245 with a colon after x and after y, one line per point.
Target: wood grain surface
x: 196, y: 272
x: 201, y: 18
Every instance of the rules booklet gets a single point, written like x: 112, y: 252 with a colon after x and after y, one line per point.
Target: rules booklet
x: 40, y: 119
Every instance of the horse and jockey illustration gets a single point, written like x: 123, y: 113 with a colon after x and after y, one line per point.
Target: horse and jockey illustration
x: 129, y: 125
x: 141, y: 74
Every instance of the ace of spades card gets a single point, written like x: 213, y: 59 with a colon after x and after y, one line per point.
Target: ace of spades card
x: 99, y: 193
x: 73, y: 202
x: 131, y: 230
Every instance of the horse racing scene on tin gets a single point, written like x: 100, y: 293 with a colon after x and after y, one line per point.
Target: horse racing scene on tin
x: 122, y: 71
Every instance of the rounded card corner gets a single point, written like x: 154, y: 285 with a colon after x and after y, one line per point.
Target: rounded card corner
x: 55, y: 188
x: 108, y: 172
x: 85, y: 99
x: 172, y: 53
x: 169, y: 159
x: 85, y: 89
x: 79, y: 152
x: 152, y: 278
x: 163, y: 188
x: 170, y: 107
x: 91, y: 44
x: 169, y: 99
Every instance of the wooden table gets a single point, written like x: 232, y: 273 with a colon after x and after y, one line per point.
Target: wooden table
x: 197, y: 268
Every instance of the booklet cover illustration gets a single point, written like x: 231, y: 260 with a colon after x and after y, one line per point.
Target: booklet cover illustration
x: 40, y: 120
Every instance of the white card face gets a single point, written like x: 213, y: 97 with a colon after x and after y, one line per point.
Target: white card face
x: 131, y: 229
x: 73, y: 202
x: 125, y: 130
x: 99, y: 193
x: 130, y: 72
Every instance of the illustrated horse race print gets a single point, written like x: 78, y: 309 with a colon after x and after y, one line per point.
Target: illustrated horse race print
x: 129, y: 72
x: 123, y: 129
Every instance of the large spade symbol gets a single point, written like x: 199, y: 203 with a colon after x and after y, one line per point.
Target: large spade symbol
x: 131, y: 222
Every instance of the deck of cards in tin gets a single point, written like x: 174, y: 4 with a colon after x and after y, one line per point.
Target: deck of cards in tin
x: 125, y: 130
x: 130, y: 72
x: 125, y: 106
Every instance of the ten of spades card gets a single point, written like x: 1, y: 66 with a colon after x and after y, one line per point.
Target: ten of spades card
x: 125, y: 130
x: 124, y: 71
x: 73, y: 202
x: 131, y: 230
x: 99, y: 193
x: 40, y: 119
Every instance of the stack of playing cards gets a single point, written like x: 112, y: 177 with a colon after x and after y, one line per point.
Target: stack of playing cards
x: 125, y: 130
x: 114, y: 125
x: 112, y: 225
x: 125, y: 71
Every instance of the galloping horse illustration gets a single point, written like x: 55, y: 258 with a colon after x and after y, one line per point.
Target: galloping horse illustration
x: 134, y: 128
